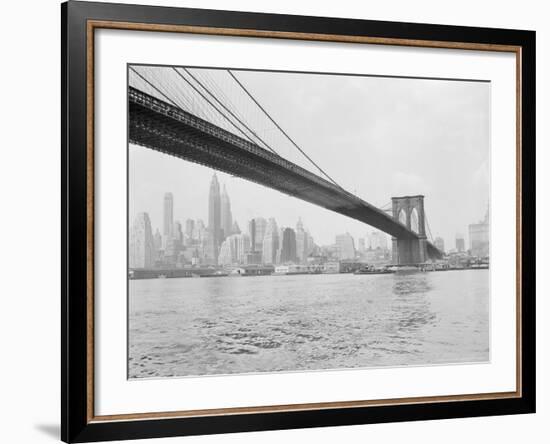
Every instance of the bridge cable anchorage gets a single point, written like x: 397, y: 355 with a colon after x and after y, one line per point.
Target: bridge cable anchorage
x: 229, y: 111
x: 246, y: 136
x: 280, y: 129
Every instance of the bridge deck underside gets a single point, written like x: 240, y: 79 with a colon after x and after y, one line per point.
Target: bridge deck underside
x: 162, y: 127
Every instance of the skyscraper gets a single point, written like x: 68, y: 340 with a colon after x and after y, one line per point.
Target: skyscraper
x: 301, y: 242
x: 177, y: 233
x: 345, y: 246
x: 226, y: 216
x: 142, y: 244
x: 168, y: 222
x: 214, y: 220
x: 288, y: 250
x: 252, y: 233
x: 261, y: 225
x: 270, y: 243
x: 242, y: 246
x: 459, y: 242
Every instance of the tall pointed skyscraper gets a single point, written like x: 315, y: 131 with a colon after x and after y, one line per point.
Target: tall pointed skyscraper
x: 214, y: 220
x: 226, y: 216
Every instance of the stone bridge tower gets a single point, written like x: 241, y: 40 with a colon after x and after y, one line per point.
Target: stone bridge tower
x: 409, y: 210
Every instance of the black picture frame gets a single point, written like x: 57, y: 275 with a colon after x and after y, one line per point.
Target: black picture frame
x: 77, y: 425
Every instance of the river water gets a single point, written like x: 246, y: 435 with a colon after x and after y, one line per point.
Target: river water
x: 225, y: 325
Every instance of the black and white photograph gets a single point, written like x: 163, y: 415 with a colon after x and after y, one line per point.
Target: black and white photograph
x: 296, y: 221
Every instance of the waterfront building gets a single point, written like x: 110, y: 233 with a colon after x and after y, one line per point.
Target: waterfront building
x: 479, y: 237
x: 168, y: 220
x: 270, y: 243
x: 345, y: 246
x: 225, y: 213
x: 142, y: 244
x: 288, y: 247
x: 214, y: 220
x: 439, y: 243
x: 459, y: 243
x: 331, y: 267
x: 292, y: 269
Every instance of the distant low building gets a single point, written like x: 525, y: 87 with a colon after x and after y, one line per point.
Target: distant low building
x: 331, y: 267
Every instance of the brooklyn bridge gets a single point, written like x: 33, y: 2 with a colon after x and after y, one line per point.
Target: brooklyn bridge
x: 191, y: 117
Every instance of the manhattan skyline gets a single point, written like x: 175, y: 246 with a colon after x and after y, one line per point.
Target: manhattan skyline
x: 219, y: 240
x: 192, y: 201
x: 223, y: 211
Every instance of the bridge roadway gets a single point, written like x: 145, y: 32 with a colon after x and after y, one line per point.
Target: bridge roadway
x: 156, y: 124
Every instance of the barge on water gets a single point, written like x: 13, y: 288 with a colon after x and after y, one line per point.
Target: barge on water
x: 373, y: 270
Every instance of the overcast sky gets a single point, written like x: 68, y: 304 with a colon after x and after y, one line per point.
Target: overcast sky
x: 377, y: 137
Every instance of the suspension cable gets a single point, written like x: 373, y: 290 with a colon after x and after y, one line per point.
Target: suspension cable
x: 280, y: 129
x: 213, y: 106
x: 164, y: 95
x: 229, y: 111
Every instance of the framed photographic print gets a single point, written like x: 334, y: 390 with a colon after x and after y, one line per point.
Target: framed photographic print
x: 275, y: 221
